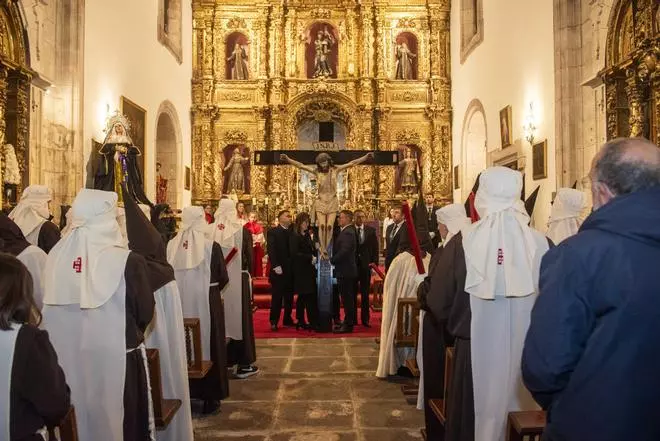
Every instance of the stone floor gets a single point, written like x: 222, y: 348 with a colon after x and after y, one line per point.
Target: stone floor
x: 314, y: 390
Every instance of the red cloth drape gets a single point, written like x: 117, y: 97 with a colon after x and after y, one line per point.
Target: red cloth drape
x: 473, y: 211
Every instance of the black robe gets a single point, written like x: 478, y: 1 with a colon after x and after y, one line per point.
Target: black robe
x: 215, y: 386
x: 449, y: 320
x: 244, y: 352
x: 49, y: 235
x: 39, y: 395
x: 104, y: 179
x: 140, y: 306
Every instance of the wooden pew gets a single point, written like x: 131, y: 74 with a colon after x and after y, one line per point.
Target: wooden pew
x: 523, y: 424
x: 67, y: 430
x: 164, y: 409
x: 439, y: 406
x: 197, y: 368
x: 407, y: 323
x: 377, y: 288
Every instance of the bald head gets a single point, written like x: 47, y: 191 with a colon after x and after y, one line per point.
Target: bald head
x: 622, y: 166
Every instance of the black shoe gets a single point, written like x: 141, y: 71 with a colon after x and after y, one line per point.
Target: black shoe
x: 273, y: 327
x: 211, y: 407
x: 303, y: 325
x: 344, y: 329
x: 247, y: 371
x: 366, y: 324
x: 288, y: 323
x: 338, y: 324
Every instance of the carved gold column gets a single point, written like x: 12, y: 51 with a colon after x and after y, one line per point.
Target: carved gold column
x: 277, y: 55
x: 655, y: 90
x: 21, y: 81
x: 635, y: 96
x: 611, y: 108
x: 3, y: 104
x: 380, y: 44
x: 367, y: 54
x: 261, y: 27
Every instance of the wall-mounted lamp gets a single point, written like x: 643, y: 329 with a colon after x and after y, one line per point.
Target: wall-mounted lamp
x: 529, y: 128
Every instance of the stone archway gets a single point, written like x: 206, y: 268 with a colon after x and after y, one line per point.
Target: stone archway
x: 168, y: 155
x: 473, y: 145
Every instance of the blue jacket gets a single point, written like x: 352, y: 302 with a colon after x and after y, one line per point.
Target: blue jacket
x: 592, y: 352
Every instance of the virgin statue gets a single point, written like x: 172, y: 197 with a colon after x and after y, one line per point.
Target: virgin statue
x: 404, y: 63
x: 236, y: 176
x: 326, y: 204
x: 322, y: 44
x: 118, y: 162
x: 239, y: 70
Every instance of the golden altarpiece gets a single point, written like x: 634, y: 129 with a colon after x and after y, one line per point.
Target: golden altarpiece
x: 632, y: 73
x: 263, y: 71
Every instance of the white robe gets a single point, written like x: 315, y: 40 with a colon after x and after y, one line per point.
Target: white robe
x: 498, y: 328
x: 166, y: 333
x: 232, y: 293
x: 399, y: 283
x: 419, y: 357
x: 34, y: 259
x: 194, y: 284
x: 33, y: 236
x: 7, y: 345
x: 90, y: 346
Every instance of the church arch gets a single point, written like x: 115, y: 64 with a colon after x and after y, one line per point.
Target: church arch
x: 474, y: 138
x: 322, y: 107
x: 168, y: 155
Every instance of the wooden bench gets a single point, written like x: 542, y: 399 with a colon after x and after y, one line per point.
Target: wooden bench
x: 439, y: 406
x: 525, y: 424
x: 67, y: 430
x: 164, y: 410
x: 197, y: 368
x: 407, y: 323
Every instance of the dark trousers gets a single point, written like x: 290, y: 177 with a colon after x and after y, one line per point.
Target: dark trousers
x: 307, y: 303
x: 282, y: 293
x: 347, y: 291
x: 336, y: 304
x: 364, y: 281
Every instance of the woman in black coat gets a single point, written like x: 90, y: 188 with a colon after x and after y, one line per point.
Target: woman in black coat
x: 303, y: 253
x: 38, y: 394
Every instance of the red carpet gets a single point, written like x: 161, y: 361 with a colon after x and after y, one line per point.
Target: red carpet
x: 262, y: 328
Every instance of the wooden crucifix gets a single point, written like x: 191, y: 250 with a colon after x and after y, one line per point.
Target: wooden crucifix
x: 325, y: 165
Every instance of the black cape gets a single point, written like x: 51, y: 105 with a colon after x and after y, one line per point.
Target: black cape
x: 104, y: 179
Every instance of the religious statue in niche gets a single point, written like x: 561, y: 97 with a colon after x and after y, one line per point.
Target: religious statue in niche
x: 321, y: 53
x: 118, y: 162
x: 161, y: 186
x: 409, y: 171
x: 237, y: 61
x: 326, y: 205
x: 406, y: 46
x: 235, y: 171
x: 12, y: 175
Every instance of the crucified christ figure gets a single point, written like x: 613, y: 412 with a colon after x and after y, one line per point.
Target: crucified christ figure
x: 326, y: 204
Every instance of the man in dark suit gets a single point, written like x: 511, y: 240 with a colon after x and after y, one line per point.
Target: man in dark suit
x: 344, y: 259
x: 432, y: 220
x: 281, y: 274
x: 393, y: 235
x: 367, y: 254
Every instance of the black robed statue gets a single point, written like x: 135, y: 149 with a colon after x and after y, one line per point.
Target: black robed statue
x: 118, y: 162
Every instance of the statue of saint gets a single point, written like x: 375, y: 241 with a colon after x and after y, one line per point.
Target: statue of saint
x: 12, y: 173
x: 404, y: 62
x: 409, y: 168
x: 235, y: 173
x: 322, y: 44
x: 239, y: 70
x: 326, y: 204
x: 118, y: 162
x: 161, y: 186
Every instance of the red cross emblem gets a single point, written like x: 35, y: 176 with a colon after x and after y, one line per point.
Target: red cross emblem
x: 221, y: 227
x: 77, y: 265
x: 185, y: 245
x: 500, y: 256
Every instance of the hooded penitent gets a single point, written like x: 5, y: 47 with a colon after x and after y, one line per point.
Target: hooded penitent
x: 32, y: 211
x: 165, y: 332
x: 565, y: 214
x: 144, y: 239
x: 530, y: 202
x: 453, y: 216
x: 85, y: 313
x: 502, y: 256
x: 186, y: 250
x: 13, y: 242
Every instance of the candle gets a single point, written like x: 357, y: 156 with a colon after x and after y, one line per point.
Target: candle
x: 254, y: 202
x: 266, y: 201
x: 277, y: 201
